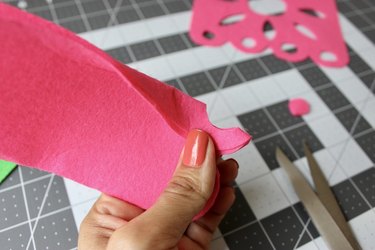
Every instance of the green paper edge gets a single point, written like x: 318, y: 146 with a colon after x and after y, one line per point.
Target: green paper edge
x: 5, y: 169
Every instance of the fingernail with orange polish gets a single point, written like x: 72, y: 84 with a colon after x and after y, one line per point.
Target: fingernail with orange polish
x: 195, y: 148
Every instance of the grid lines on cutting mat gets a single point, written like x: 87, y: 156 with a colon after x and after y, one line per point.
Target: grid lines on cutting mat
x: 87, y: 15
x: 261, y: 224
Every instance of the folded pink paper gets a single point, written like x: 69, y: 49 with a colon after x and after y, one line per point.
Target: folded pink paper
x: 68, y: 108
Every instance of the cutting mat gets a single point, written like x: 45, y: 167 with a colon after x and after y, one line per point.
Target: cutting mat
x: 43, y: 211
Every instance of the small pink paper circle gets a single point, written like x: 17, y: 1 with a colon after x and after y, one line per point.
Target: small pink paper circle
x: 298, y: 107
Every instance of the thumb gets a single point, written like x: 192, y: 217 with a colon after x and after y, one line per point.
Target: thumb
x: 189, y: 189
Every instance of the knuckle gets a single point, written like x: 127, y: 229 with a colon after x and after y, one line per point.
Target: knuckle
x: 103, y: 207
x: 186, y: 187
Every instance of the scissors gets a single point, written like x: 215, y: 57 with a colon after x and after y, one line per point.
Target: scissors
x: 321, y: 204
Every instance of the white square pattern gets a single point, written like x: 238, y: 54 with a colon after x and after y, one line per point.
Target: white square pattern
x: 251, y: 164
x: 329, y: 130
x: 240, y: 99
x: 255, y: 192
x: 267, y: 90
x: 292, y: 83
x: 351, y: 157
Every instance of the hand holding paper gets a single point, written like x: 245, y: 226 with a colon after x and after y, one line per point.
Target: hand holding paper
x: 122, y: 225
x: 68, y: 108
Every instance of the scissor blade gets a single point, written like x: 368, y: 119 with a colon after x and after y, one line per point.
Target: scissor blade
x: 327, y: 197
x: 319, y: 214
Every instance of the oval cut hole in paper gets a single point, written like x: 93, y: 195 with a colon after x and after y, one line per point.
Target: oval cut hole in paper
x: 270, y: 35
x: 268, y: 7
x: 289, y: 48
x: 208, y: 35
x: 233, y: 19
x: 249, y: 42
x: 305, y: 31
x: 267, y: 26
x: 269, y: 31
x: 22, y: 4
x: 313, y: 13
x: 328, y: 56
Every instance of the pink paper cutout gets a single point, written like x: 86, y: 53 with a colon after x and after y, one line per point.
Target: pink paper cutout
x: 318, y: 37
x: 298, y: 107
x: 66, y: 107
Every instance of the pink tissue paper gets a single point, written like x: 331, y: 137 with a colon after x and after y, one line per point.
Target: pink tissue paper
x: 68, y: 108
x: 301, y: 29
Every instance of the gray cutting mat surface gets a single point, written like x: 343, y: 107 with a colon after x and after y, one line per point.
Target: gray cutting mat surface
x: 43, y: 211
